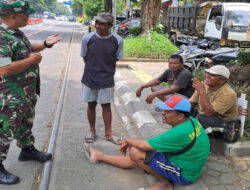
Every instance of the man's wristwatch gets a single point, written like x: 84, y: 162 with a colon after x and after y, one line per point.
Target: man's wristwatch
x: 46, y: 45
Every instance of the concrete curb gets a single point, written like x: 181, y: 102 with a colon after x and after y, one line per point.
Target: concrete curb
x: 147, y: 125
x: 142, y: 60
x: 126, y: 120
x: 237, y: 149
x: 144, y: 121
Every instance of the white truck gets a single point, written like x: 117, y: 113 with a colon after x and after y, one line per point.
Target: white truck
x: 226, y: 23
x: 45, y: 14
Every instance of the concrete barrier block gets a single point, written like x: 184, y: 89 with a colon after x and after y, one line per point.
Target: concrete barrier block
x: 237, y: 149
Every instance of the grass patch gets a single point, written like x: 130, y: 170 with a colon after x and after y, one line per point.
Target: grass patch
x: 156, y: 46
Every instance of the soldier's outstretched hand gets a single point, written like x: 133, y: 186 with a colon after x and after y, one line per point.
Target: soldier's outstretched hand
x: 51, y: 40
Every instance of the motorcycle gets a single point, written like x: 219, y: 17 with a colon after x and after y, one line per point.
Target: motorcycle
x: 203, y: 53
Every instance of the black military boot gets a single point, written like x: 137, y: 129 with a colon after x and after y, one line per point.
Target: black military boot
x: 31, y: 153
x: 6, y: 177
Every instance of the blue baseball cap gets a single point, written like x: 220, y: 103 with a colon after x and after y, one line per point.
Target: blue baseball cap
x: 177, y: 103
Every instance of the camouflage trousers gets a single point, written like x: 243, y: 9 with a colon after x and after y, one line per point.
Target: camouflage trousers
x: 16, y: 123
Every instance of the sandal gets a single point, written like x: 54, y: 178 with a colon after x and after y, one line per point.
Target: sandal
x: 90, y: 138
x: 86, y: 150
x: 115, y: 140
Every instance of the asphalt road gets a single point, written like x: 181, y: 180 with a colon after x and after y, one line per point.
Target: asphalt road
x: 70, y: 169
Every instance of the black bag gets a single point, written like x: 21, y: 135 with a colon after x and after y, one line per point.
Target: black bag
x: 231, y: 130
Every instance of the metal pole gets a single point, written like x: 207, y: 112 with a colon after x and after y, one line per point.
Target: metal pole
x: 114, y: 14
x: 44, y: 185
x: 129, y: 8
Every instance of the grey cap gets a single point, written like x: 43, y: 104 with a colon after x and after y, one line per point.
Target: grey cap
x: 219, y: 70
x: 105, y: 18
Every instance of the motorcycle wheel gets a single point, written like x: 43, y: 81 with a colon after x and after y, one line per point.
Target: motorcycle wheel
x: 173, y: 39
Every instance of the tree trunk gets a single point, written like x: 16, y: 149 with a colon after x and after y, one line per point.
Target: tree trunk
x: 108, y: 6
x: 150, y: 12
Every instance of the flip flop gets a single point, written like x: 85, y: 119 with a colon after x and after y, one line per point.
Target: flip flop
x: 115, y: 140
x: 86, y: 151
x: 90, y: 138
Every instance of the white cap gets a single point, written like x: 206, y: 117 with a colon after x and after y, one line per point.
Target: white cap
x: 219, y: 70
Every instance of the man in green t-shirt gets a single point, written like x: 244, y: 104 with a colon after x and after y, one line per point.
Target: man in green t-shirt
x: 150, y: 155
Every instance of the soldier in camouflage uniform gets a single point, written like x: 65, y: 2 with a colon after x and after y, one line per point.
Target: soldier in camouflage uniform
x: 19, y: 78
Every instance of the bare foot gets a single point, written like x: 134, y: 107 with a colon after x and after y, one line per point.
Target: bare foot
x: 93, y: 153
x: 161, y: 186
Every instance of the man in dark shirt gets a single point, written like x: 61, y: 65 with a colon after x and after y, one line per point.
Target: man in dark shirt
x: 100, y: 51
x: 179, y: 79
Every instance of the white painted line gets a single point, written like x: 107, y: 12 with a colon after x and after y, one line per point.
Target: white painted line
x: 128, y: 97
x: 143, y: 117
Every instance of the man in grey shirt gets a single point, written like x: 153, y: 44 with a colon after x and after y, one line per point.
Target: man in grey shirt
x: 179, y: 79
x: 100, y: 51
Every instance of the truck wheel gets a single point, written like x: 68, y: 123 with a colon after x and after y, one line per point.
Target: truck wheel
x: 173, y: 39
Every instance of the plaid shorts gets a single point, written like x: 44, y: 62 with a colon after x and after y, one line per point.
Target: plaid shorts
x: 160, y: 164
x: 101, y: 96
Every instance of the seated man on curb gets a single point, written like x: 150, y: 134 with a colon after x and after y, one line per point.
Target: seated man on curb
x: 179, y: 79
x: 178, y: 155
x: 217, y: 101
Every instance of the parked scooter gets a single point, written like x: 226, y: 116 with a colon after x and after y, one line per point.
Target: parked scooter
x: 192, y: 55
x: 195, y: 56
x: 220, y: 56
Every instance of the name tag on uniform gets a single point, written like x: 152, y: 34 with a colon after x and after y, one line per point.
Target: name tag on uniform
x: 4, y: 61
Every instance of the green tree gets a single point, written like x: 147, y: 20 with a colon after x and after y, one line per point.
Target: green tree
x: 108, y: 6
x: 38, y: 5
x: 49, y: 2
x: 61, y: 9
x: 120, y: 6
x: 76, y: 8
x: 150, y: 13
x: 91, y: 7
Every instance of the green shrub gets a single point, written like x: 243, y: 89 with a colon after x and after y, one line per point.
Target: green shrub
x: 159, y: 29
x: 157, y: 46
x: 244, y: 58
x: 199, y: 74
x: 135, y: 30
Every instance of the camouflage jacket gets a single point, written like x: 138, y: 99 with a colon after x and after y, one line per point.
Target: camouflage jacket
x: 19, y: 88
